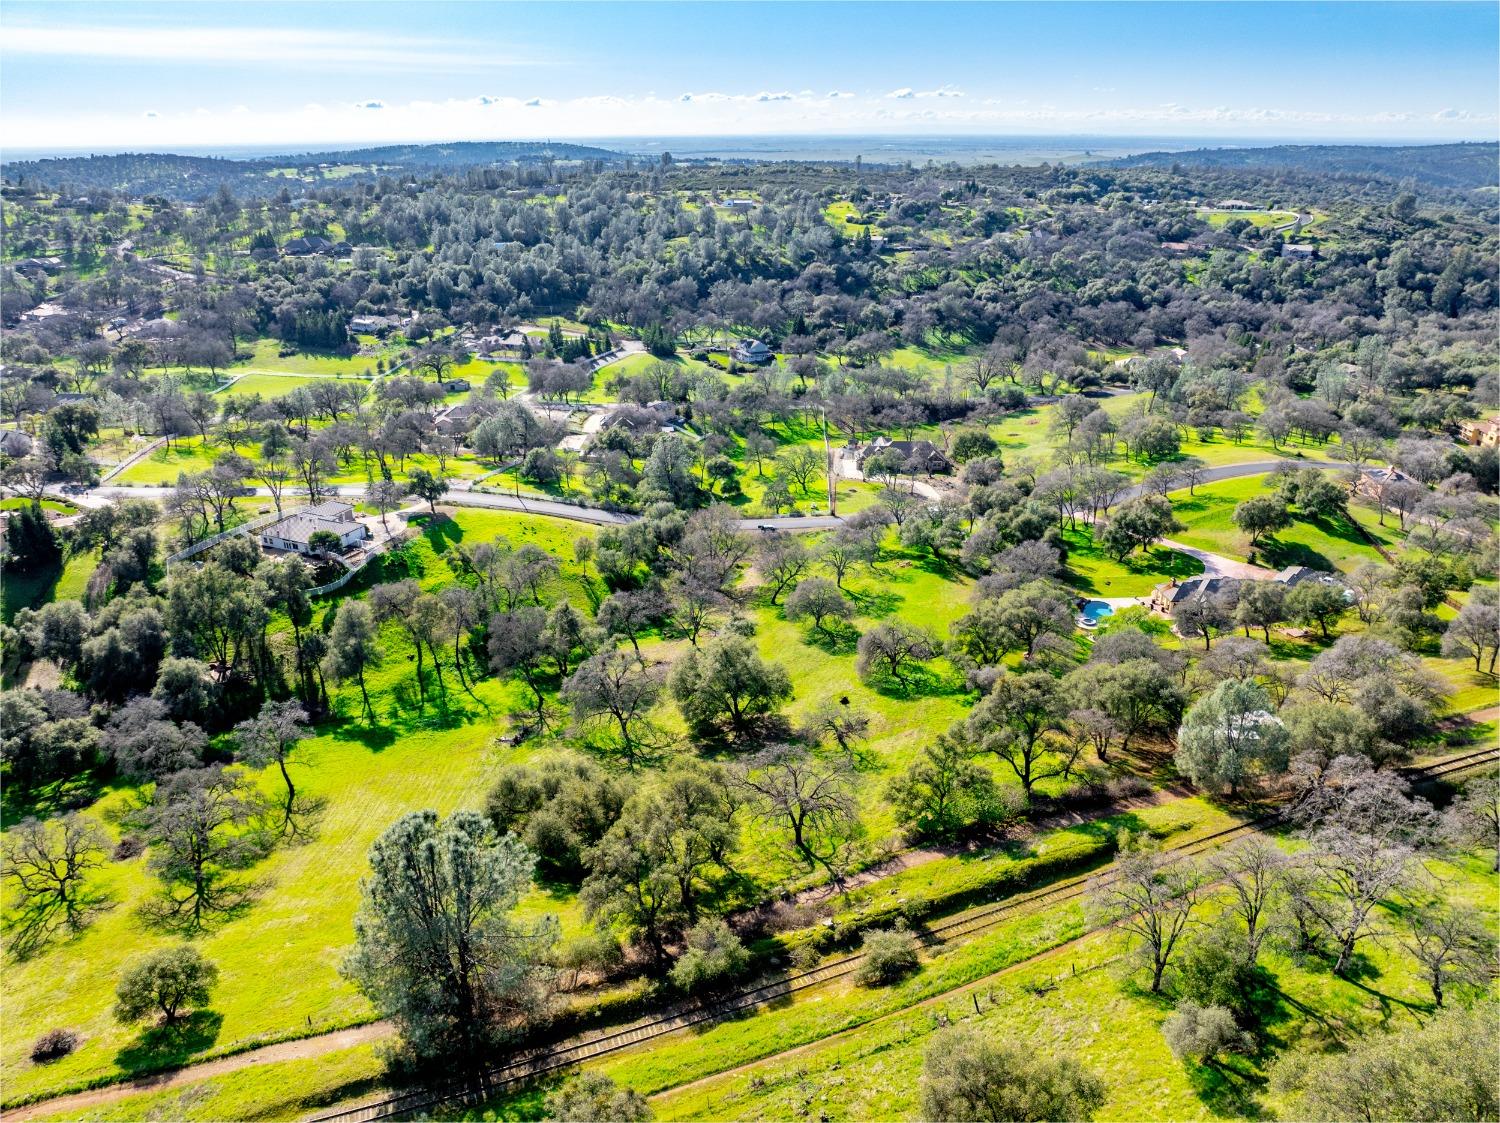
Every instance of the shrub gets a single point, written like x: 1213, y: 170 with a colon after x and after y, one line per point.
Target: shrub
x: 715, y: 957
x: 966, y: 1075
x: 592, y: 1097
x: 1203, y: 1032
x: 53, y: 1045
x: 888, y: 956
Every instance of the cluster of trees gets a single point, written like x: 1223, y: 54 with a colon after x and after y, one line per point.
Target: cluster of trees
x: 1200, y: 927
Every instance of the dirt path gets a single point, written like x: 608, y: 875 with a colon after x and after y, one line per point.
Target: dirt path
x: 304, y: 1048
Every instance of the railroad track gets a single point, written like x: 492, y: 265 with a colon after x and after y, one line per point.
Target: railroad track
x: 539, y: 1062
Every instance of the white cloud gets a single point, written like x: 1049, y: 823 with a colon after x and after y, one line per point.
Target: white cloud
x: 906, y: 93
x: 284, y: 47
x: 488, y: 116
x: 834, y: 95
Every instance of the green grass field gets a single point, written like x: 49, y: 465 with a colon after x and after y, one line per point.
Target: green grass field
x: 1328, y: 544
x: 277, y: 385
x: 1091, y: 570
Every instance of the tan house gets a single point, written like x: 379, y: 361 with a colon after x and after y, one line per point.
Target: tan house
x: 1484, y: 433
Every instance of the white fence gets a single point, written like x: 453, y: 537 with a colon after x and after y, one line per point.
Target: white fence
x: 244, y: 528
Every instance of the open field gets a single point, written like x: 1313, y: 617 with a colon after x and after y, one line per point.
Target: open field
x: 1327, y: 544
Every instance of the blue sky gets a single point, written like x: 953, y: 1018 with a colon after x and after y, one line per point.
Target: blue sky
x: 184, y: 74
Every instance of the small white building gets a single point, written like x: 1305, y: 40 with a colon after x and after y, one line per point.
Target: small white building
x: 295, y: 532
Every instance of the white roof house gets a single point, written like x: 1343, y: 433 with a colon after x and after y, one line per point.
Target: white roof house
x: 752, y: 351
x: 295, y: 532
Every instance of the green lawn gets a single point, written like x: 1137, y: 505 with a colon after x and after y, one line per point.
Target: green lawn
x: 1091, y: 570
x: 1329, y: 544
x: 278, y: 385
x: 265, y: 355
x: 1255, y: 218
x: 57, y: 507
x: 191, y: 455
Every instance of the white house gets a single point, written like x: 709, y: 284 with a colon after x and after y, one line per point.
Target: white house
x: 296, y: 530
x: 752, y: 351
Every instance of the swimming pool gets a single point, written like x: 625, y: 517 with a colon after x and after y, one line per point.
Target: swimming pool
x: 1094, y: 611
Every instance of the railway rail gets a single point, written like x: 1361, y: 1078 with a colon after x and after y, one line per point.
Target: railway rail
x: 540, y: 1061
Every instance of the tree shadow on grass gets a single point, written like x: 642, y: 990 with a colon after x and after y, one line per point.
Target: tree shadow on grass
x: 834, y: 640
x: 918, y: 682
x: 442, y: 532
x: 1227, y: 1086
x: 1279, y: 555
x: 163, y: 1047
x: 877, y: 605
x: 374, y: 738
x: 71, y: 794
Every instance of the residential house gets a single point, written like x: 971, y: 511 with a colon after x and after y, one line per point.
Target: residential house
x: 1372, y: 482
x: 516, y: 345
x: 311, y: 244
x: 295, y: 532
x: 1294, y: 575
x: 928, y: 457
x: 752, y: 351
x: 1166, y: 597
x: 456, y: 419
x: 1296, y: 251
x: 1484, y: 433
x: 456, y: 385
x: 371, y: 325
x: 39, y: 266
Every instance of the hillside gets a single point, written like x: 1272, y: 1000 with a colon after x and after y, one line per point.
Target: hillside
x: 185, y: 177
x: 1439, y: 165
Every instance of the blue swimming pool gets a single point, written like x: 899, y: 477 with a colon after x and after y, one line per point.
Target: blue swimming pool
x: 1094, y: 611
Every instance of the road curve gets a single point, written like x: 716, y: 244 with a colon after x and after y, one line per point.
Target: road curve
x: 1234, y: 471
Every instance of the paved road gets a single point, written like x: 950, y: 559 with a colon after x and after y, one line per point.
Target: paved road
x: 1234, y: 471
x: 462, y: 497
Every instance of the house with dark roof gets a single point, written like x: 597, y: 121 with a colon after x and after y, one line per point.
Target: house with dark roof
x: 752, y: 351
x: 294, y: 533
x: 515, y: 345
x: 1166, y: 597
x: 456, y: 418
x: 310, y: 244
x: 1294, y: 575
x: 1372, y: 482
x: 927, y: 456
